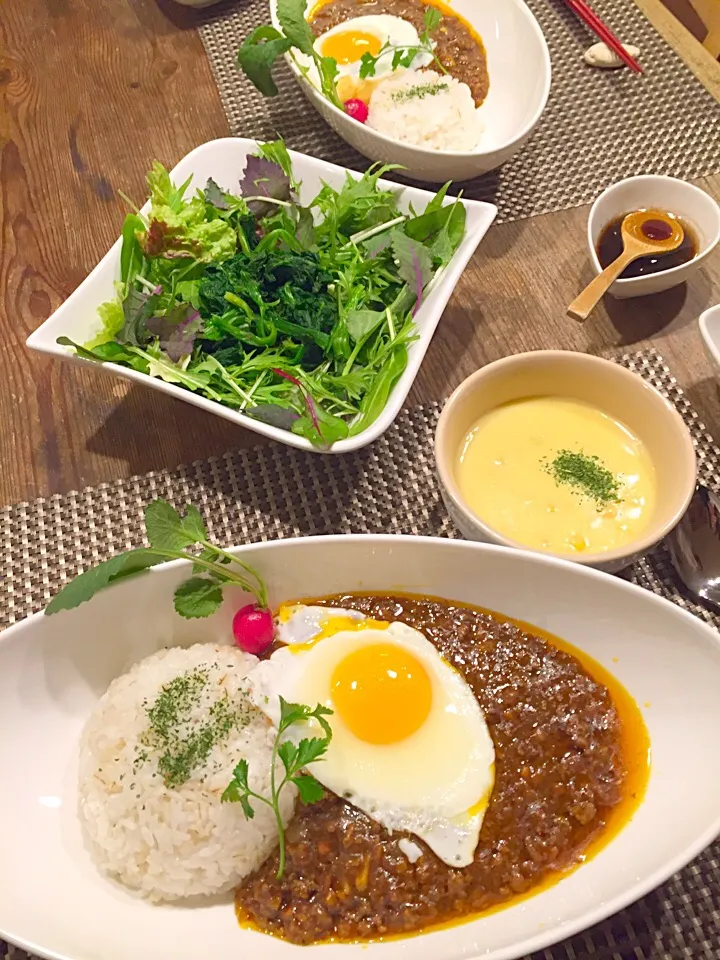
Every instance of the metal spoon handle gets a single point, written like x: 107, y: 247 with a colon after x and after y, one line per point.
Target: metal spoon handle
x: 583, y: 305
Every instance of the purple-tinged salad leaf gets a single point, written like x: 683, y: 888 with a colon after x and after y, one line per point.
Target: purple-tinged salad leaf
x: 374, y: 246
x: 215, y: 195
x: 274, y: 415
x: 329, y: 428
x: 176, y: 330
x: 414, y: 264
x: 264, y: 178
x: 309, y: 402
x: 206, y: 241
x: 317, y: 425
x: 138, y: 307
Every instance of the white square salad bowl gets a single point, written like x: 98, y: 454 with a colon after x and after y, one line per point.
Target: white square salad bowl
x: 53, y: 670
x: 224, y: 160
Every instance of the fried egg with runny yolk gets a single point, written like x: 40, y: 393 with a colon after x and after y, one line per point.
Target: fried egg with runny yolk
x: 379, y: 35
x: 410, y: 745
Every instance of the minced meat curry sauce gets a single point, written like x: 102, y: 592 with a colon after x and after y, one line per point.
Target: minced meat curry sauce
x: 572, y: 763
x: 458, y: 48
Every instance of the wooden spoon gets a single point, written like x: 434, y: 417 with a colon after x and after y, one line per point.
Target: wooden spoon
x: 645, y: 233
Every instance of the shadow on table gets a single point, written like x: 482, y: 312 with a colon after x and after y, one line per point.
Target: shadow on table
x: 642, y: 317
x: 167, y: 431
x: 446, y: 363
x: 189, y: 18
x: 499, y: 242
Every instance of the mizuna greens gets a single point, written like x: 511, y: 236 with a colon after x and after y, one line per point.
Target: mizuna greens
x: 298, y: 315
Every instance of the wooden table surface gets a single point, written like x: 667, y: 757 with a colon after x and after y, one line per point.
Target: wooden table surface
x: 90, y: 92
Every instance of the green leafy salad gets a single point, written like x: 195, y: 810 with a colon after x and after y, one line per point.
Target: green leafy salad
x: 297, y: 315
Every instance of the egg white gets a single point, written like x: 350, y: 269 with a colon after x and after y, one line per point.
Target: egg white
x: 387, y: 29
x: 437, y: 782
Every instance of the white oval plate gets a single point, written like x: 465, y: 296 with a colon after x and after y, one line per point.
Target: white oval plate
x: 53, y: 669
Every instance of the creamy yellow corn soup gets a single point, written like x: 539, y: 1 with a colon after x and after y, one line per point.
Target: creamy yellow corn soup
x: 557, y: 474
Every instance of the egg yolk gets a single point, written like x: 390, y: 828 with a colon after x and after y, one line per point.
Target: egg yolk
x: 349, y: 46
x: 382, y: 693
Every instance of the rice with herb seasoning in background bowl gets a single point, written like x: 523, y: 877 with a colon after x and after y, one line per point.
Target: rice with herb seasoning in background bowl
x: 155, y: 757
x: 427, y: 109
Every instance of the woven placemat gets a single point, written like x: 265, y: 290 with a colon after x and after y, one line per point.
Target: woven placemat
x: 274, y: 492
x: 599, y: 125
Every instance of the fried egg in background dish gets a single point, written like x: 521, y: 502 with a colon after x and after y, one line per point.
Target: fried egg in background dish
x: 347, y: 42
x: 410, y: 745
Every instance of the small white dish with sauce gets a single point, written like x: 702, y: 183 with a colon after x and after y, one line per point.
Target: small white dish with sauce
x: 684, y: 200
x: 567, y: 454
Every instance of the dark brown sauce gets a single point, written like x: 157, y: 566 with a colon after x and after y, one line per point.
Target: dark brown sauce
x: 657, y: 229
x: 571, y: 766
x: 610, y: 246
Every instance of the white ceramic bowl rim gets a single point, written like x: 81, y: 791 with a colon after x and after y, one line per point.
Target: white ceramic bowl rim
x: 628, y: 282
x: 712, y: 343
x: 639, y: 546
x: 533, y: 568
x: 465, y: 155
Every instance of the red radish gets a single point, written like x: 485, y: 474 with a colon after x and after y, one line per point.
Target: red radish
x: 357, y: 109
x: 253, y: 629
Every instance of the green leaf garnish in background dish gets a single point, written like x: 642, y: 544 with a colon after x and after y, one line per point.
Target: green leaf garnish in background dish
x: 294, y: 758
x: 170, y: 534
x: 262, y: 48
x: 257, y: 55
x: 291, y: 17
x: 197, y: 597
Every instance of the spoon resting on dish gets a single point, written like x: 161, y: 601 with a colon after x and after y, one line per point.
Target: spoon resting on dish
x: 644, y: 233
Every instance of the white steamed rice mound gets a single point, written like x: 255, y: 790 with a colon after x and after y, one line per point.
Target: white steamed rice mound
x: 426, y: 109
x: 170, y: 843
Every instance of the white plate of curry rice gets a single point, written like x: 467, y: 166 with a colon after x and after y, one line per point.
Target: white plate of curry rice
x: 591, y: 706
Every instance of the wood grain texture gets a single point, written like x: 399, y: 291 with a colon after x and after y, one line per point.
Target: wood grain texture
x: 697, y: 58
x: 90, y: 92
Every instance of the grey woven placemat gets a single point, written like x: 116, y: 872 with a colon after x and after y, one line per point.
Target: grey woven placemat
x: 274, y: 492
x: 599, y: 125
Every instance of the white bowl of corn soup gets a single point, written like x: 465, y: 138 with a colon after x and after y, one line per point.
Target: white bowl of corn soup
x: 566, y: 454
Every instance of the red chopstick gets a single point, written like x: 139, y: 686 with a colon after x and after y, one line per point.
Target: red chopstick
x: 589, y: 17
